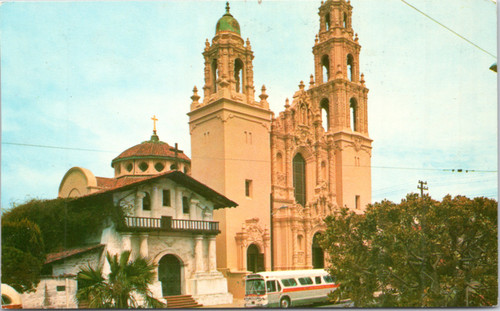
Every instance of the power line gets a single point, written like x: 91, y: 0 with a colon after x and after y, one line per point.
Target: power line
x: 267, y: 161
x: 56, y: 147
x: 447, y: 28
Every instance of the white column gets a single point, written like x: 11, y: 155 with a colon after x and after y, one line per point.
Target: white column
x: 192, y: 209
x: 212, y: 257
x: 127, y: 242
x: 143, y: 250
x: 198, y: 254
x: 178, y: 203
x: 155, y: 200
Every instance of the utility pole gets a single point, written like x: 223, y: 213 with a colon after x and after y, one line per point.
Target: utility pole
x: 422, y: 187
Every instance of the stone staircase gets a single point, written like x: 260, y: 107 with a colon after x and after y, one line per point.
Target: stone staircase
x: 181, y: 301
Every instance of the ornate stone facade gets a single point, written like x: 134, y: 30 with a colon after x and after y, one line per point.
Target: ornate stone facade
x: 295, y: 169
x: 327, y: 125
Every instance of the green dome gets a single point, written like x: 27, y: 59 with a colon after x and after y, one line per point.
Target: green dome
x: 227, y: 23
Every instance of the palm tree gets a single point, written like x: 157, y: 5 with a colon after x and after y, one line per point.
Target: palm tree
x: 127, y: 280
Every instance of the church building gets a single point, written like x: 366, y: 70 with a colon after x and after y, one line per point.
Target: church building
x: 166, y: 216
x: 287, y: 173
x: 255, y: 193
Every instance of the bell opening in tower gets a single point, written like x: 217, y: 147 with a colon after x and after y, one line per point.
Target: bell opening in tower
x: 325, y: 63
x: 238, y: 75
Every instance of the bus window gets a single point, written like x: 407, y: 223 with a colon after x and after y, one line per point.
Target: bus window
x: 255, y: 287
x: 271, y: 286
x: 328, y: 279
x: 317, y: 279
x: 305, y: 281
x: 279, y: 286
x: 289, y: 282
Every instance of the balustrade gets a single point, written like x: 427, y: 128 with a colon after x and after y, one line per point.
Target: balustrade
x: 168, y: 224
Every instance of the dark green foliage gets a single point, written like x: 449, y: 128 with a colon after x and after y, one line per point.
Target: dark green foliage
x: 22, y: 254
x: 65, y: 223
x: 21, y: 270
x: 32, y: 229
x: 23, y: 235
x: 126, y: 277
x: 419, y: 253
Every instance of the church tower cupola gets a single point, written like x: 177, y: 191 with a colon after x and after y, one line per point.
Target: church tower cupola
x: 228, y: 64
x: 338, y: 88
x: 227, y: 23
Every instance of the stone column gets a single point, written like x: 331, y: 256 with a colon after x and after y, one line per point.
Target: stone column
x: 212, y: 256
x: 178, y: 203
x: 198, y: 254
x: 127, y: 242
x: 138, y: 203
x: 143, y: 250
x: 155, y: 199
x: 192, y: 209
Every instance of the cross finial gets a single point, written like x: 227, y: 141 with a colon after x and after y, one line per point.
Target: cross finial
x: 227, y: 7
x: 154, y: 123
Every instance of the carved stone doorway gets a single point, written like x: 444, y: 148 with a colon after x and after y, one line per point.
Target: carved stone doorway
x: 255, y: 259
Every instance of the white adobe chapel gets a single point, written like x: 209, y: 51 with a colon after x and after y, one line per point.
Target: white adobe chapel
x: 167, y: 217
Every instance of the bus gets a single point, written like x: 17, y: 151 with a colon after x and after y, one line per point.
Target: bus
x: 287, y: 288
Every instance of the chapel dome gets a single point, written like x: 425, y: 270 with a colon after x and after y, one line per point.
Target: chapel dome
x: 227, y: 23
x: 149, y: 157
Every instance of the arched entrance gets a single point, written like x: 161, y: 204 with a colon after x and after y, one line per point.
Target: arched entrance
x: 169, y: 274
x: 255, y: 260
x: 318, y: 256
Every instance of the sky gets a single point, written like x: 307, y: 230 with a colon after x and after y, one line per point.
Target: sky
x: 80, y: 82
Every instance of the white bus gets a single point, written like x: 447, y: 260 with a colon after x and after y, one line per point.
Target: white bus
x: 288, y: 288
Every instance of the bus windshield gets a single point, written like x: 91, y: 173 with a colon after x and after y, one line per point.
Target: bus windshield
x: 255, y: 287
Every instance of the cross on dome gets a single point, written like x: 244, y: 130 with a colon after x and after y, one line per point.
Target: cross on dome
x: 154, y: 123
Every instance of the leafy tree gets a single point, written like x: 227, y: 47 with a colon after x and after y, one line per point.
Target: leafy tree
x: 65, y: 223
x: 127, y: 279
x: 419, y: 253
x: 22, y: 254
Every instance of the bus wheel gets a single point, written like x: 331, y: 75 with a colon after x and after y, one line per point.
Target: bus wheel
x: 285, y: 302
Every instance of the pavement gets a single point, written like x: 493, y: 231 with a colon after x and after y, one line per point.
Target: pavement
x: 237, y: 303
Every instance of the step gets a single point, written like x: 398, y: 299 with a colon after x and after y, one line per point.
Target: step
x: 181, y: 301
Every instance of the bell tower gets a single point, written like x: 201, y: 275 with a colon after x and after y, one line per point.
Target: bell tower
x: 339, y: 92
x: 228, y: 63
x: 230, y: 147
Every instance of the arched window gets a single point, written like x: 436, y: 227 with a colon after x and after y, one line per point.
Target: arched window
x: 146, y: 202
x: 350, y: 67
x: 279, y: 162
x: 215, y: 74
x: 238, y: 75
x: 354, y: 114
x: 318, y: 256
x: 325, y: 62
x: 299, y: 179
x: 327, y: 21
x: 325, y: 113
x: 345, y: 20
x: 255, y: 259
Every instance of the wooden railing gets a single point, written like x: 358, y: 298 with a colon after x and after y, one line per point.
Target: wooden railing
x: 166, y: 223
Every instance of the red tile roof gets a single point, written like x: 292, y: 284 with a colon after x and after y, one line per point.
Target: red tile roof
x: 51, y: 257
x: 104, y: 182
x: 152, y: 148
x: 108, y: 184
x: 112, y: 184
